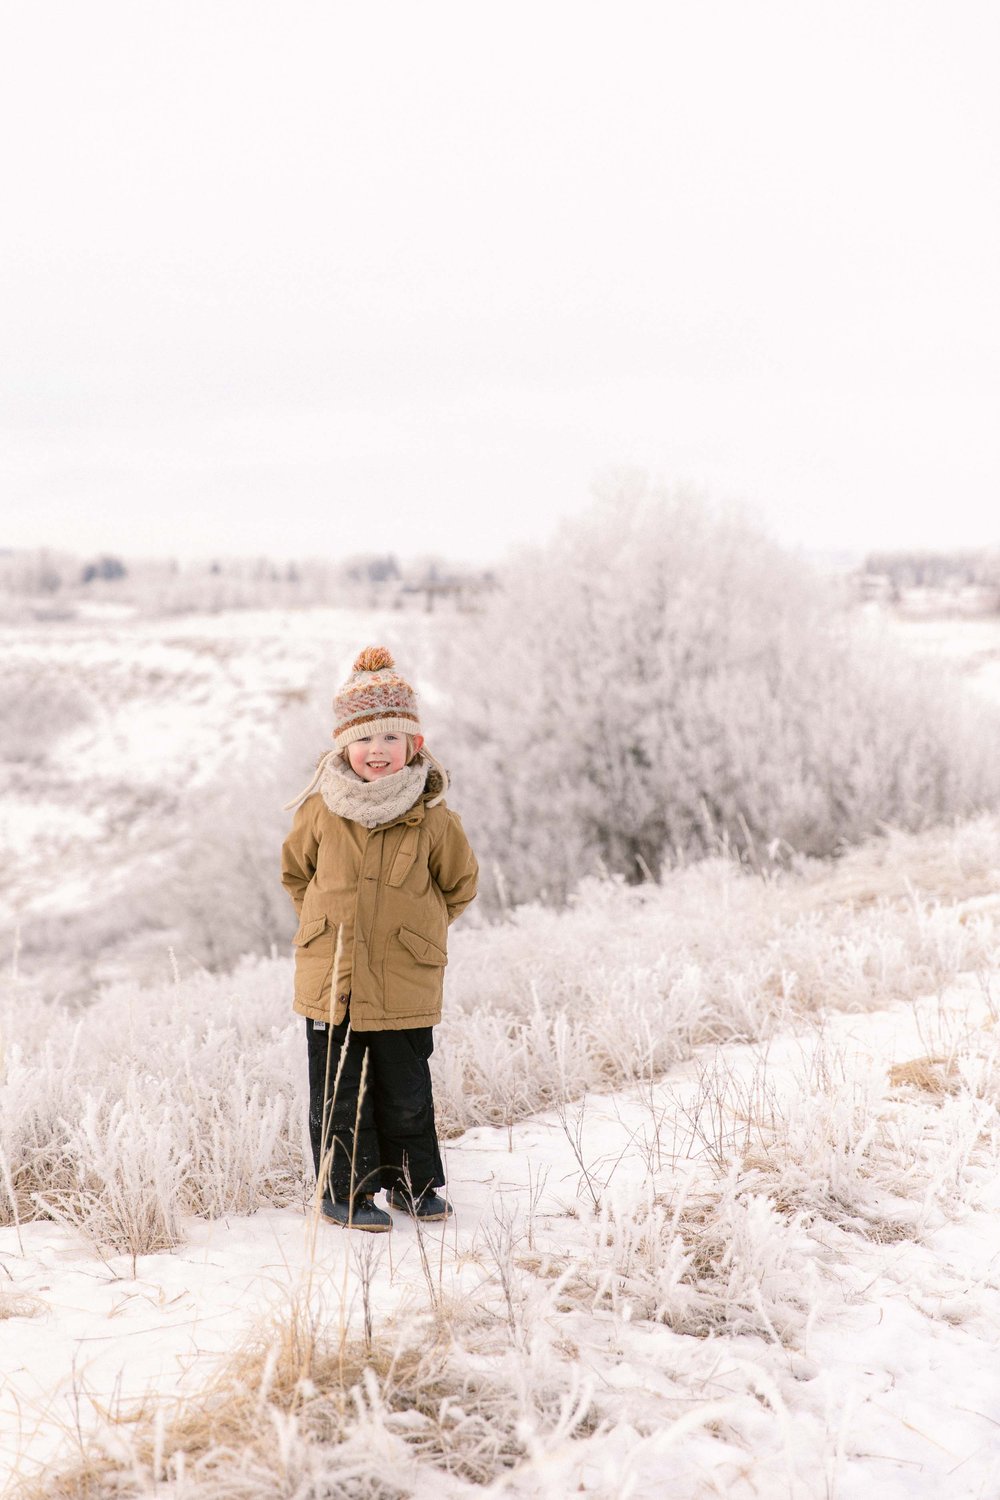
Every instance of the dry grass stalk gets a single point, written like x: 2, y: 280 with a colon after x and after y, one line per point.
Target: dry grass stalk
x: 934, y: 1075
x: 298, y: 1378
x: 19, y: 1305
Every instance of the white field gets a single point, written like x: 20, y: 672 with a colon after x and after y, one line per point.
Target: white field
x: 724, y: 1156
x: 971, y: 643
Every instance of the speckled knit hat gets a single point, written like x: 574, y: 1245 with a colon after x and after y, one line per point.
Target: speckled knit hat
x: 375, y: 699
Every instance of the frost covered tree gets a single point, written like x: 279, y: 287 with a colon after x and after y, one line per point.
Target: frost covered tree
x: 662, y: 681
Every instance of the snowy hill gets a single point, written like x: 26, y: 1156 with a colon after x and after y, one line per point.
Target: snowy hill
x: 723, y: 1150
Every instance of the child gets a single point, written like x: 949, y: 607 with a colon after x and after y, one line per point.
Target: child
x: 375, y: 853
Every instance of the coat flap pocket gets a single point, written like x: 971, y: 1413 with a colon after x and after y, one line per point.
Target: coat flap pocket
x: 422, y: 949
x: 405, y: 855
x: 308, y: 931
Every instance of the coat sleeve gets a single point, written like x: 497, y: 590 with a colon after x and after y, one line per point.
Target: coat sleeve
x: 454, y: 868
x: 298, y: 855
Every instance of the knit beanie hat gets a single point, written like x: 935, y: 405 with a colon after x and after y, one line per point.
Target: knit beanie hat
x: 375, y: 699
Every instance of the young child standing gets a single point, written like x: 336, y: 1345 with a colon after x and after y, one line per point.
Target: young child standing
x: 375, y: 854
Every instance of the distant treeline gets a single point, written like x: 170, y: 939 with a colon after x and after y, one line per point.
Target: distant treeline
x: 48, y: 583
x: 936, y: 570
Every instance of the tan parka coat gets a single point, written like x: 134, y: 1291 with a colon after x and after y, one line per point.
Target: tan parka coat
x: 393, y: 890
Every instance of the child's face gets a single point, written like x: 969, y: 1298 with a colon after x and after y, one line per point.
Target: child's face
x: 377, y: 755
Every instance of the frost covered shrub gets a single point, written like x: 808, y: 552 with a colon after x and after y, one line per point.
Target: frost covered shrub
x: 220, y: 895
x: 128, y: 1171
x: 208, y: 889
x: 182, y: 1098
x: 735, y: 1263
x: 662, y: 680
x: 36, y: 710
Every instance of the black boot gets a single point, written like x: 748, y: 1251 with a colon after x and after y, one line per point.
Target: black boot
x: 361, y: 1214
x: 428, y: 1207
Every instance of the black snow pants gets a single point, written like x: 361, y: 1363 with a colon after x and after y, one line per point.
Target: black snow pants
x: 396, y: 1142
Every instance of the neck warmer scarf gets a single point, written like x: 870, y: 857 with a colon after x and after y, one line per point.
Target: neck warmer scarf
x: 371, y: 803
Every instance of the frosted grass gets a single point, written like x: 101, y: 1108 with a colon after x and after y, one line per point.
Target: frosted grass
x: 189, y: 1096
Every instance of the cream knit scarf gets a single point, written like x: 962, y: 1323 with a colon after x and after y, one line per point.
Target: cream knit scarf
x: 371, y: 802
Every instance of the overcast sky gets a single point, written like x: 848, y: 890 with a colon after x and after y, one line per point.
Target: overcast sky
x: 328, y: 277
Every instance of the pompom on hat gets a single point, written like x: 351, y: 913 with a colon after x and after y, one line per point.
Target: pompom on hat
x: 375, y: 699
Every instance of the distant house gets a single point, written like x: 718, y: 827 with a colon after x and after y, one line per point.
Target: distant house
x: 932, y: 583
x: 463, y: 591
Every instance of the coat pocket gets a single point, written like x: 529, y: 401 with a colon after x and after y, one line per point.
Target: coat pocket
x: 422, y: 949
x: 309, y: 930
x: 315, y: 943
x: 413, y: 978
x: 405, y: 855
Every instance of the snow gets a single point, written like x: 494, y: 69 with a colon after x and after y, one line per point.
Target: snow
x: 971, y: 645
x: 890, y: 1386
x: 871, y: 1365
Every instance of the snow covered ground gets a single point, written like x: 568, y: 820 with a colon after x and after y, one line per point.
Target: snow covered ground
x: 970, y: 643
x: 769, y: 1269
x: 823, y: 1354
